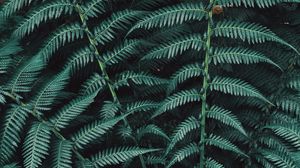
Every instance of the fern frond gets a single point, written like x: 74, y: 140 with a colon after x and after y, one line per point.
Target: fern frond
x: 184, y: 73
x: 117, y: 155
x: 71, y: 111
x: 48, y: 93
x: 181, y: 130
x: 252, y: 3
x: 169, y: 16
x: 210, y: 163
x: 175, y: 47
x: 13, y: 125
x: 22, y: 79
x: 154, y: 160
x: 240, y: 56
x: 235, y: 87
x: 62, y: 156
x: 119, y: 21
x: 178, y: 99
x: 190, y: 149
x: 219, y: 142
x: 12, y: 165
x: 7, y: 49
x: 109, y: 110
x: 225, y: 117
x: 144, y: 105
x: 36, y: 145
x: 250, y: 32
x: 138, y: 78
x: 153, y: 130
x: 62, y: 36
x: 94, y: 7
x: 289, y: 133
x: 279, y: 159
x: 93, y: 131
x: 11, y: 6
x: 92, y: 85
x: 121, y: 52
x: 52, y: 10
x: 81, y: 58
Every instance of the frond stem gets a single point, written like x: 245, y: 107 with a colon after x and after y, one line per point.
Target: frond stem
x: 205, y: 87
x: 102, y: 67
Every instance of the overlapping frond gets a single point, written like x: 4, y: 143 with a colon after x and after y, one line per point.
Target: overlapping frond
x: 62, y: 154
x: 46, y: 12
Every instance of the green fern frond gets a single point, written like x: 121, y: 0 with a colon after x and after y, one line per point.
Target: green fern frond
x: 154, y: 160
x: 153, y: 130
x: 175, y: 47
x: 235, y: 87
x: 144, y: 105
x: 252, y: 3
x: 250, y: 32
x: 279, y: 159
x: 94, y: 7
x: 46, y: 12
x: 12, y: 165
x: 289, y: 133
x: 117, y: 155
x: 240, y: 56
x: 210, y: 163
x: 62, y: 36
x: 121, y: 52
x: 22, y: 79
x: 189, y: 150
x: 109, y: 110
x: 178, y: 99
x: 71, y: 111
x: 11, y: 6
x: 13, y: 125
x: 225, y: 117
x: 289, y: 104
x: 93, y: 131
x: 219, y: 142
x: 172, y: 15
x: 7, y: 49
x: 62, y: 155
x: 48, y: 93
x: 184, y: 73
x: 107, y: 31
x: 181, y: 130
x: 36, y: 145
x: 92, y: 85
x: 81, y: 58
x: 138, y: 78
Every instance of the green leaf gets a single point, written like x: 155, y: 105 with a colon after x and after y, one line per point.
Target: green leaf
x: 117, y: 155
x: 290, y: 133
x: 36, y: 145
x: 11, y: 132
x: 62, y: 155
x: 219, y: 142
x: 210, y: 163
x: 119, y: 21
x: 52, y: 10
x: 93, y: 131
x: 279, y: 159
x: 250, y: 32
x: 151, y: 129
x: 183, y: 74
x: 235, y: 87
x: 138, y: 78
x: 172, y: 15
x: 181, y: 131
x: 225, y: 117
x: 178, y: 99
x: 177, y: 46
x: 240, y: 56
x: 190, y: 149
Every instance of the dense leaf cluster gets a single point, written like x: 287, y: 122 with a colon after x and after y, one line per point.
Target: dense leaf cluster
x: 150, y: 83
